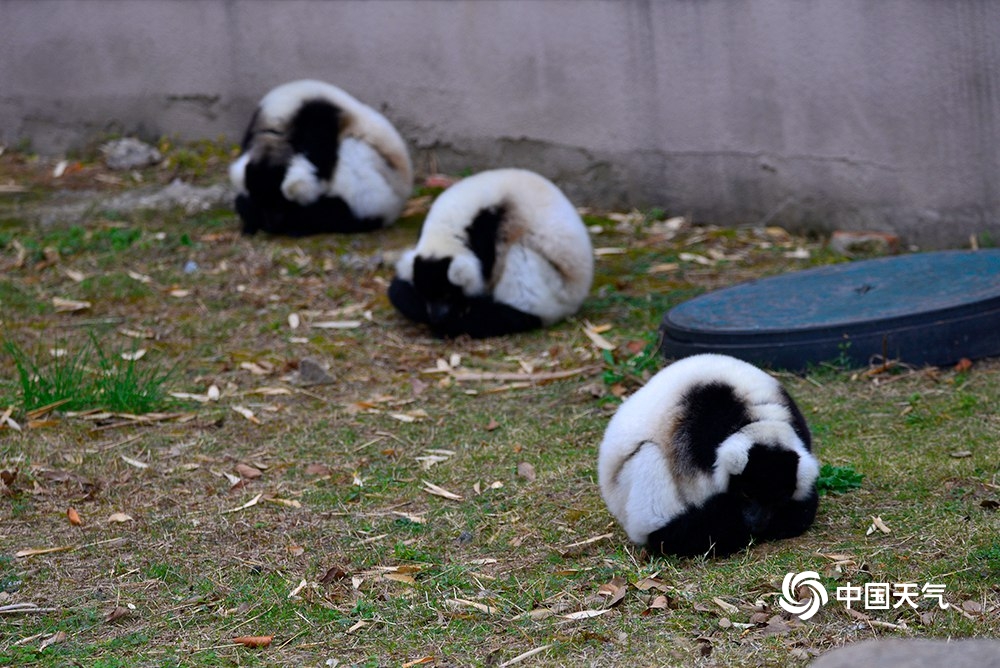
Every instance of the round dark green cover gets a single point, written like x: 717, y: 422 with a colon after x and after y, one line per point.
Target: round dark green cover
x: 922, y: 309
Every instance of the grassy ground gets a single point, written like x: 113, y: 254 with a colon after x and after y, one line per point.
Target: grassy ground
x: 302, y: 514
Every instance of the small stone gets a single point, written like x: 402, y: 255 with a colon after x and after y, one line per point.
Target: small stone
x: 129, y: 153
x: 527, y: 471
x: 312, y: 372
x: 864, y: 243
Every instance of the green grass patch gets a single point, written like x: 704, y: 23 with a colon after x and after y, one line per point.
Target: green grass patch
x: 838, y: 479
x: 89, y: 377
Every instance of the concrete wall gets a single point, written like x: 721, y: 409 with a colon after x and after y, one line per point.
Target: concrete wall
x: 826, y: 114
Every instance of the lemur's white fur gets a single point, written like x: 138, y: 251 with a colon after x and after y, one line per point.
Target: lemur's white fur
x: 300, y: 184
x: 544, y: 262
x: 637, y: 481
x: 374, y: 174
x: 237, y: 172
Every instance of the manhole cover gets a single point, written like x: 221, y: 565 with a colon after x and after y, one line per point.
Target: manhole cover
x: 925, y: 308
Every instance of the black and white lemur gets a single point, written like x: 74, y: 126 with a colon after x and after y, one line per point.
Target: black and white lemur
x: 710, y: 455
x: 500, y: 252
x: 316, y: 160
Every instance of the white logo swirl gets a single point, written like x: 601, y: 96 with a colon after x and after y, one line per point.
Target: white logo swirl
x: 789, y: 600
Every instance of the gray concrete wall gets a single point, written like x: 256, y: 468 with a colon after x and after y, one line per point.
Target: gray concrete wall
x: 825, y: 114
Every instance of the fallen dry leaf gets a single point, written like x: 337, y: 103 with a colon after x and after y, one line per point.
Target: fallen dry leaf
x: 142, y: 278
x: 201, y: 398
x: 776, y: 625
x: 434, y: 456
x: 53, y: 639
x: 419, y: 662
x: 482, y: 607
x: 333, y: 574
x: 290, y: 503
x: 116, y: 614
x: 659, y: 602
x: 613, y: 591
x: 336, y: 324
x: 608, y: 250
x: 857, y: 614
x: 536, y: 614
x: 249, y: 504
x: 646, y: 584
x: 878, y: 524
x: 663, y: 268
x: 697, y: 259
x: 73, y: 516
x: 411, y: 416
x: 253, y: 641
x: 299, y: 587
x: 42, y: 550
x: 725, y: 605
x: 120, y: 517
x: 634, y: 347
x: 247, y: 413
x: 134, y: 462
x: 234, y: 480
x: 318, y: 469
x: 585, y: 614
x: 597, y: 339
x: 356, y: 626
x: 524, y: 655
x: 247, y: 471
x: 41, y: 411
x: 440, y: 180
x: 431, y: 488
x: 7, y: 421
x: 266, y: 391
x: 69, y: 305
x: 974, y: 607
x: 257, y: 368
